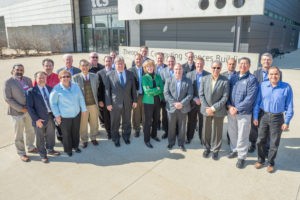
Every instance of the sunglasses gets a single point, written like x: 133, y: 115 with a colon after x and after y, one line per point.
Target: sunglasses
x: 66, y: 76
x: 216, y: 67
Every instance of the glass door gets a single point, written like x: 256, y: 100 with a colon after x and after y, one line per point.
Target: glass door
x: 101, y: 38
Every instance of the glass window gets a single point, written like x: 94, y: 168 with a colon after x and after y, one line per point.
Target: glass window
x: 115, y: 22
x: 101, y: 21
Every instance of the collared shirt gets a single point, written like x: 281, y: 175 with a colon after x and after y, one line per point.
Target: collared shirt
x: 178, y: 85
x: 198, y: 78
x: 275, y: 100
x: 47, y: 93
x: 70, y: 70
x: 213, y: 82
x: 265, y: 75
x: 159, y: 68
x: 67, y: 102
x: 23, y: 84
x: 171, y: 71
x: 140, y: 75
x: 85, y: 77
x: 52, y: 80
x: 123, y: 75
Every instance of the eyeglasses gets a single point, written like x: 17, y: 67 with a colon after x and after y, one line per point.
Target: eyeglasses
x: 66, y: 76
x: 216, y: 67
x: 95, y: 57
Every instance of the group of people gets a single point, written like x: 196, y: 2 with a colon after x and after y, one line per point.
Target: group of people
x: 176, y: 98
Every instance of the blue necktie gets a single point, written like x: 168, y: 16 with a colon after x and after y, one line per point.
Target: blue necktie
x: 46, y: 97
x: 122, y: 80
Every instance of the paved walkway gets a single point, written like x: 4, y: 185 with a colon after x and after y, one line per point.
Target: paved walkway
x: 136, y: 172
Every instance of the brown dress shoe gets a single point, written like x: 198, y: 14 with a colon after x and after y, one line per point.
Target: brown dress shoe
x: 95, y: 142
x: 34, y: 150
x: 54, y: 153
x: 25, y: 158
x: 258, y: 165
x: 270, y: 169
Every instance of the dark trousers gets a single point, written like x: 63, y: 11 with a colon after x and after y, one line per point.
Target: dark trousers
x: 163, y: 116
x: 212, y: 138
x: 116, y: 115
x: 151, y: 119
x: 254, y: 130
x: 270, y: 127
x: 70, y: 130
x: 192, y: 122
x: 45, y: 137
x: 101, y: 115
x: 106, y: 118
x: 178, y: 119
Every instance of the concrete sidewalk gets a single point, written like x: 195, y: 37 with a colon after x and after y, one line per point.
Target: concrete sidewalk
x: 136, y: 172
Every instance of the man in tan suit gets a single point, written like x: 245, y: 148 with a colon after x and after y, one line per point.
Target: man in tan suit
x: 15, y: 89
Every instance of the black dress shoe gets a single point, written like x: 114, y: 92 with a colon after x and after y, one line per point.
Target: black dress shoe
x: 206, y: 153
x: 215, y: 155
x: 240, y: 163
x: 164, y: 136
x: 77, y: 150
x: 232, y: 155
x: 84, y: 145
x: 137, y: 134
x: 182, y: 148
x: 188, y: 141
x: 252, y: 149
x: 109, y: 136
x: 170, y: 146
x: 59, y: 138
x: 69, y: 154
x: 156, y: 139
x: 127, y: 141
x: 149, y: 145
x: 117, y: 144
x: 95, y: 142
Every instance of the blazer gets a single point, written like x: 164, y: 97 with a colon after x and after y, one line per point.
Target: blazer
x: 259, y: 75
x: 75, y: 70
x: 15, y: 96
x: 102, y: 76
x: 216, y: 98
x: 37, y: 108
x: 227, y: 74
x: 165, y: 74
x: 193, y: 77
x: 149, y: 90
x: 185, y: 94
x: 186, y: 68
x: 136, y: 77
x: 116, y: 94
x: 94, y: 80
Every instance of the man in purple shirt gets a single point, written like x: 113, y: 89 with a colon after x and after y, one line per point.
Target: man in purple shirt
x: 275, y: 100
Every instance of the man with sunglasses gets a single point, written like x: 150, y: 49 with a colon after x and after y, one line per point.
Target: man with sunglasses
x: 15, y: 89
x: 95, y: 66
x: 243, y: 91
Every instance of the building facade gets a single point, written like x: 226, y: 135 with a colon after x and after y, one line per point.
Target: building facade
x: 103, y: 25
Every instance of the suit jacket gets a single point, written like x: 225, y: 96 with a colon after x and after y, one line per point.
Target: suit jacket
x: 75, y: 70
x: 102, y: 76
x: 186, y: 68
x: 165, y: 74
x: 216, y: 98
x: 227, y: 74
x: 164, y: 66
x: 94, y: 80
x: 259, y: 75
x: 15, y: 96
x: 193, y: 77
x: 185, y: 94
x: 96, y: 69
x: 37, y: 108
x: 136, y: 77
x: 117, y: 95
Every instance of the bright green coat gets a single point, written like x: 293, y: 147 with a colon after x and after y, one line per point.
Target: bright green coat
x: 149, y: 91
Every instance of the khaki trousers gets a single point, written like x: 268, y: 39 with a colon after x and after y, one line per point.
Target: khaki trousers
x: 138, y: 114
x: 20, y: 123
x: 91, y: 118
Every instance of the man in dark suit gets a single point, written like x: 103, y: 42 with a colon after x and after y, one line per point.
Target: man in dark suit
x: 261, y: 75
x: 214, y: 92
x: 42, y: 117
x: 120, y: 98
x: 138, y: 112
x: 144, y: 53
x: 95, y: 66
x: 89, y: 85
x: 102, y: 75
x: 195, y: 76
x: 68, y: 60
x: 178, y: 92
x: 190, y: 64
x: 166, y: 74
x: 15, y: 89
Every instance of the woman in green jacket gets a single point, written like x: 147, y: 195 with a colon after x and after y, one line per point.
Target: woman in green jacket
x: 153, y: 93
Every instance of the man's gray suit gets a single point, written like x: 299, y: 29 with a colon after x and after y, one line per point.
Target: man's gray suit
x: 121, y: 99
x: 15, y: 97
x: 176, y: 116
x: 216, y: 98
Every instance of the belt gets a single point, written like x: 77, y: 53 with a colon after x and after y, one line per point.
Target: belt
x: 273, y: 114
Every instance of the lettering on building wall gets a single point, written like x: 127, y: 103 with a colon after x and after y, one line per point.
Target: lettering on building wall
x: 99, y: 3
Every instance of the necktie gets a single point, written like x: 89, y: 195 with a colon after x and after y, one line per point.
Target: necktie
x: 46, y: 97
x: 122, y: 80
